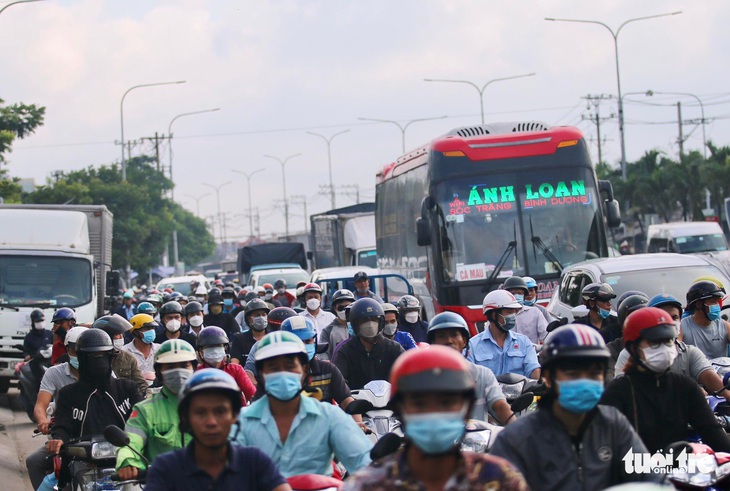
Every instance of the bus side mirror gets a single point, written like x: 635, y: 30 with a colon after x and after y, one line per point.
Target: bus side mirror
x: 613, y: 213
x: 423, y: 231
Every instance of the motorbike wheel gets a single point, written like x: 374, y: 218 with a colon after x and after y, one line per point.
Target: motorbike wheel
x: 26, y: 404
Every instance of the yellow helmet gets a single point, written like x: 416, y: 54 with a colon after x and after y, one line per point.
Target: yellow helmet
x: 142, y: 320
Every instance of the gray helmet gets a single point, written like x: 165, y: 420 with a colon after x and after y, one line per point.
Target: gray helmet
x: 171, y: 307
x: 94, y: 341
x: 514, y: 282
x: 408, y: 303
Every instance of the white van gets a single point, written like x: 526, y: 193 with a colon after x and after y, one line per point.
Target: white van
x: 686, y: 237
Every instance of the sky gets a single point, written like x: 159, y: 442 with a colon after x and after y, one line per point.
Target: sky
x: 277, y: 69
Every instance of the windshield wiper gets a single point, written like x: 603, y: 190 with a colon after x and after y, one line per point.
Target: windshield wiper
x: 537, y: 241
x: 511, y: 246
x: 9, y: 306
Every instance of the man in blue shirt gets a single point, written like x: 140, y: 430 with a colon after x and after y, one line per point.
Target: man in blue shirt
x: 300, y: 434
x: 208, y: 407
x: 498, y: 347
x: 391, y: 331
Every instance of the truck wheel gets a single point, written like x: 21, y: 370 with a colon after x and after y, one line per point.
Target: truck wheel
x: 4, y: 385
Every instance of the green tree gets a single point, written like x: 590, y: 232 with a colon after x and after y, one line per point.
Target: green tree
x: 16, y: 121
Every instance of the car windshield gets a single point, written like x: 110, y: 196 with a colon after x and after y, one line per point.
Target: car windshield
x: 182, y: 286
x: 44, y: 281
x: 292, y: 278
x: 701, y: 243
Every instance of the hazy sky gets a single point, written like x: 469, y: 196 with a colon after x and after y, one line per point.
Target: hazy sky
x: 279, y: 68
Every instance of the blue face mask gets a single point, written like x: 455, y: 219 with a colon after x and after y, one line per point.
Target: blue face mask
x: 604, y: 313
x: 579, y: 396
x: 283, y: 386
x: 510, y: 321
x: 311, y: 350
x: 435, y: 433
x: 350, y: 330
x: 713, y: 312
x: 228, y: 302
x: 148, y: 337
x: 73, y: 361
x: 520, y: 298
x: 529, y: 303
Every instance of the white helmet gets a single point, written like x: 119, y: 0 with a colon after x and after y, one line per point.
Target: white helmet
x: 73, y: 334
x: 259, y: 289
x: 499, y: 299
x: 201, y: 290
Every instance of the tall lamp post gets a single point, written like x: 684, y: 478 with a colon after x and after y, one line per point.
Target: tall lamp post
x: 221, y: 223
x: 618, y: 77
x: 197, y: 202
x: 169, y: 133
x: 121, y: 112
x: 17, y: 2
x: 248, y: 176
x: 283, y: 179
x: 479, y: 89
x: 328, y: 141
x: 402, y: 127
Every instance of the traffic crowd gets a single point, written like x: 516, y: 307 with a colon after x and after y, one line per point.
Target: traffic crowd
x: 239, y: 388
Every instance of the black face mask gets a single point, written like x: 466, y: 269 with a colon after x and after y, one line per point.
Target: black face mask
x: 61, y: 333
x: 95, y: 370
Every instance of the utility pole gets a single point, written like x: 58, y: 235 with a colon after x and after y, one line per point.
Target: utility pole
x: 156, y: 141
x: 356, y: 191
x: 300, y: 199
x: 594, y: 101
x: 681, y: 135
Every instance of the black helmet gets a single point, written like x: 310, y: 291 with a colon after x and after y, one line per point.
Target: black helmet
x: 280, y: 283
x: 171, y: 307
x: 214, y: 291
x: 256, y: 304
x: 37, y: 316
x: 447, y: 320
x: 702, y: 290
x: 228, y: 292
x: 573, y: 341
x: 279, y: 315
x: 215, y: 299
x: 193, y: 308
x: 112, y: 324
x: 627, y: 294
x: 250, y: 296
x: 94, y: 341
x: 514, y: 282
x: 597, y: 291
x: 211, y: 336
x: 363, y: 310
x: 630, y: 304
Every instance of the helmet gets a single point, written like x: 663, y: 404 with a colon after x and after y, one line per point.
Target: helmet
x: 154, y: 298
x: 515, y: 282
x: 73, y: 335
x: 37, y: 316
x: 499, y: 299
x: 176, y: 296
x: 207, y: 379
x: 259, y: 290
x: 268, y: 288
x: 128, y: 294
x: 256, y: 304
x: 140, y: 321
x: 341, y: 296
x: 408, y: 303
x: 171, y: 307
x: 280, y: 343
x: 573, y: 341
x: 215, y: 299
x: 301, y: 326
x: 228, y: 291
x: 93, y: 341
x: 63, y: 314
x: 530, y: 281
x: 279, y: 315
x: 436, y: 369
x: 389, y: 307
x: 200, y: 290
x: 702, y: 290
x: 597, y: 291
x: 627, y: 294
x: 211, y: 336
x: 312, y: 287
x: 665, y: 299
x: 193, y: 308
x: 250, y: 296
x: 175, y: 351
x: 300, y: 292
x: 112, y: 324
x: 630, y: 304
x: 214, y: 291
x: 146, y: 308
x: 447, y: 320
x: 280, y: 283
x: 649, y: 323
x: 366, y: 309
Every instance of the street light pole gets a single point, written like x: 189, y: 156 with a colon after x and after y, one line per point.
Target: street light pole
x: 17, y: 2
x: 250, y: 208
x: 702, y: 109
x: 197, y: 202
x: 121, y: 112
x: 402, y: 127
x: 169, y: 133
x: 221, y: 225
x: 283, y: 179
x: 618, y: 76
x: 329, y: 160
x: 478, y: 89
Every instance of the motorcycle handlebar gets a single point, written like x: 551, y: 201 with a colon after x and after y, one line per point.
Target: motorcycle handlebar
x: 141, y: 477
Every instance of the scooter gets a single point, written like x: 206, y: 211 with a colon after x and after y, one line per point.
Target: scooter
x: 372, y: 403
x: 709, y: 471
x: 86, y: 465
x: 515, y: 386
x: 30, y: 374
x: 314, y: 482
x: 480, y: 435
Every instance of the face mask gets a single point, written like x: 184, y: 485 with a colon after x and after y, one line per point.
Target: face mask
x: 73, y: 361
x: 604, y: 313
x: 311, y: 350
x: 283, y: 386
x: 173, y: 325
x: 39, y: 325
x: 97, y: 370
x: 713, y: 312
x: 268, y: 296
x: 61, y: 333
x: 579, y: 396
x: 350, y: 330
x: 341, y: 315
x: 411, y: 317
x: 148, y: 337
x: 435, y: 433
x: 175, y: 378
x: 510, y: 321
x: 390, y: 329
x: 368, y: 329
x: 228, y: 302
x: 200, y: 299
x: 659, y: 359
x: 259, y: 323
x: 520, y: 298
x: 215, y: 355
x: 362, y: 291
x: 196, y: 320
x: 216, y: 309
x: 313, y: 304
x: 118, y: 343
x: 281, y: 291
x: 529, y: 303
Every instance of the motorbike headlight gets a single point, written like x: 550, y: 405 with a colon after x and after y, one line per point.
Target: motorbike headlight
x: 103, y: 450
x: 512, y: 391
x: 476, y: 441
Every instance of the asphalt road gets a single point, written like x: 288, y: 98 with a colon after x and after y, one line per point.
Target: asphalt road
x: 16, y: 442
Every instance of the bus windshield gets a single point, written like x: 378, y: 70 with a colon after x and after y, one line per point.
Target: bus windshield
x: 540, y: 221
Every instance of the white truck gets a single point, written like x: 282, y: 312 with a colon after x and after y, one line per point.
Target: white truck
x: 344, y: 237
x: 686, y: 237
x: 51, y: 256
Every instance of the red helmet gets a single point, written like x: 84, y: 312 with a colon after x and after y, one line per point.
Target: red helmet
x: 312, y: 287
x: 649, y: 323
x: 436, y: 369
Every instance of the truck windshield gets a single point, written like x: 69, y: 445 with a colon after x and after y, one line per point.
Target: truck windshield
x: 45, y: 281
x: 291, y: 278
x: 701, y: 243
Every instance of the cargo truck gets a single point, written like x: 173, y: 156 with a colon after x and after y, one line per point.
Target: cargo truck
x: 344, y: 237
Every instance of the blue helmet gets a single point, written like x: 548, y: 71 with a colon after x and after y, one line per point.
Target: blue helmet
x: 207, y: 379
x: 366, y: 309
x: 146, y: 308
x: 211, y: 336
x: 301, y: 326
x: 573, y: 341
x: 64, y: 314
x: 447, y: 320
x: 664, y: 299
x: 530, y: 281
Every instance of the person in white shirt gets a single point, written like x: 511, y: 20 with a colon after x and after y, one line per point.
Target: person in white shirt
x: 530, y: 320
x: 313, y: 303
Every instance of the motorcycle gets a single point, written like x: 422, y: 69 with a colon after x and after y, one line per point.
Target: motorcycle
x: 515, y: 386
x: 314, y: 482
x: 30, y: 374
x: 709, y: 473
x: 480, y: 435
x: 372, y: 403
x: 86, y: 465
x: 117, y: 437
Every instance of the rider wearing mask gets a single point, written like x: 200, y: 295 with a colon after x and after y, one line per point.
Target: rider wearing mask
x: 336, y: 331
x: 531, y: 298
x: 194, y: 315
x: 63, y: 320
x: 432, y: 394
x: 705, y: 328
x: 391, y: 330
x: 38, y: 337
x: 300, y: 434
x: 216, y: 317
x: 570, y: 442
x: 212, y: 349
x: 143, y: 346
x: 256, y: 319
x: 282, y: 296
x: 229, y: 300
x: 498, y: 347
x: 171, y: 316
x: 409, y: 318
x: 124, y: 364
x: 154, y: 427
x: 660, y: 403
x: 362, y: 287
x: 269, y: 296
x: 367, y: 355
x: 597, y: 299
x: 313, y: 301
x: 530, y: 320
x: 274, y: 321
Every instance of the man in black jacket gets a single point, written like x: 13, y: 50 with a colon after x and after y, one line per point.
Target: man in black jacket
x: 216, y: 317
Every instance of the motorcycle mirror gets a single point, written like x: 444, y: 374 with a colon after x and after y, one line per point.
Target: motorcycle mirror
x: 522, y: 402
x: 359, y: 406
x: 388, y: 444
x: 116, y: 436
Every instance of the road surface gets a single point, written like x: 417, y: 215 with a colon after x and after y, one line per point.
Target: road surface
x: 16, y: 442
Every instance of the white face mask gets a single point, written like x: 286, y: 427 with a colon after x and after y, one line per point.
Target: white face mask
x: 341, y: 315
x: 658, y: 360
x: 196, y: 320
x: 118, y: 343
x: 313, y: 304
x: 173, y: 325
x: 368, y: 329
x: 282, y: 291
x: 39, y: 325
x: 411, y: 317
x: 214, y: 355
x: 268, y: 296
